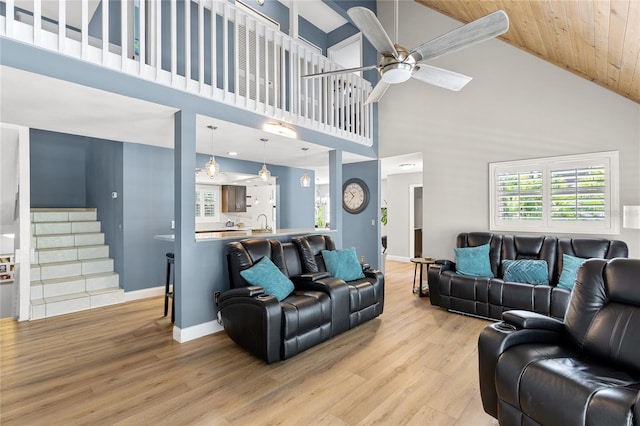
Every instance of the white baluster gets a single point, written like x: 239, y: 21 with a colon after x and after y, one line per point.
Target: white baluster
x: 84, y: 6
x: 214, y: 47
x: 158, y: 38
x: 37, y: 21
x: 174, y: 42
x: 62, y: 26
x: 201, y: 45
x: 105, y: 32
x: 10, y: 18
x: 142, y: 42
x: 187, y: 44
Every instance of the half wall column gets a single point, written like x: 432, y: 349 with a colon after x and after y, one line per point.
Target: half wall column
x: 335, y: 193
x: 184, y: 194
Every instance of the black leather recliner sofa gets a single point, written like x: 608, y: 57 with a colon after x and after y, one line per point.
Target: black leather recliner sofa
x: 366, y: 295
x: 490, y: 297
x: 319, y: 308
x: 536, y: 370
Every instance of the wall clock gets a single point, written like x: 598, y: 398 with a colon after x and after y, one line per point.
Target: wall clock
x: 355, y: 195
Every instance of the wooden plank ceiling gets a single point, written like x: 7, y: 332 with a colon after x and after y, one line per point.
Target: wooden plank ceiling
x: 595, y: 39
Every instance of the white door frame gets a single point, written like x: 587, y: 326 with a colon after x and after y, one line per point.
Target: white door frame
x: 22, y: 277
x: 346, y: 42
x: 412, y: 220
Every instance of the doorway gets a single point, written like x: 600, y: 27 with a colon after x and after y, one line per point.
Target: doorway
x: 415, y: 221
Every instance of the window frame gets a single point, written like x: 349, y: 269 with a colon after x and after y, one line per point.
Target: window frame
x: 201, y: 218
x: 609, y: 225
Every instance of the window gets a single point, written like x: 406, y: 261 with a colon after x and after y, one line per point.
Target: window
x: 207, y: 203
x: 575, y: 193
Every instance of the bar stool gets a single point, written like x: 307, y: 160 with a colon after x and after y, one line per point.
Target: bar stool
x: 170, y: 294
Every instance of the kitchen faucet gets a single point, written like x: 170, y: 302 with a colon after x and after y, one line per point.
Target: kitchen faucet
x: 265, y: 220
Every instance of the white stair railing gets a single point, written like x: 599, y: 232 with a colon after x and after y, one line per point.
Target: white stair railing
x: 228, y: 56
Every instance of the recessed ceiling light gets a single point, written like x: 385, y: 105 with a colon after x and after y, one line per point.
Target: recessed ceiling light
x: 407, y: 166
x: 232, y: 153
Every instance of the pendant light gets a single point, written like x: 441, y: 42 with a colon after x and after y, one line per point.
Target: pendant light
x: 264, y: 174
x: 305, y: 180
x: 212, y: 168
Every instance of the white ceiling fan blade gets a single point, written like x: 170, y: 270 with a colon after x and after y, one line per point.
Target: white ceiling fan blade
x: 378, y: 92
x: 441, y: 78
x: 368, y: 23
x: 474, y: 32
x: 342, y: 71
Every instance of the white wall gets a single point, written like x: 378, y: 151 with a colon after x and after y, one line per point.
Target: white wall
x: 517, y: 106
x: 398, y: 190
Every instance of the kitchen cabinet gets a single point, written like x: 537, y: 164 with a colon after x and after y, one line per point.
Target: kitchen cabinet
x: 234, y: 199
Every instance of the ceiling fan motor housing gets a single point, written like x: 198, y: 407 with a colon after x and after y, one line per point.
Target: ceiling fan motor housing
x: 397, y: 70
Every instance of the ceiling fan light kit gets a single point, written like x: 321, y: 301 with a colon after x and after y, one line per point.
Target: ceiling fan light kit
x: 397, y: 64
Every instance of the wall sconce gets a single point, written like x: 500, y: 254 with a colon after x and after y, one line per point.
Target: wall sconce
x: 280, y: 129
x: 631, y: 217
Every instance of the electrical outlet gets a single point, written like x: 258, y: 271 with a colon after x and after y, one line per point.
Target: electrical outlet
x: 373, y: 222
x: 216, y: 297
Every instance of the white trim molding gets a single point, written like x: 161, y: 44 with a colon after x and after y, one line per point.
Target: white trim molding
x: 182, y: 335
x: 145, y: 293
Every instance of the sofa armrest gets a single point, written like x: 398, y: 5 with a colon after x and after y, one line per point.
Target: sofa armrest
x: 522, y: 327
x: 254, y: 321
x: 338, y: 292
x: 250, y: 291
x: 311, y: 276
x: 532, y: 320
x: 433, y: 278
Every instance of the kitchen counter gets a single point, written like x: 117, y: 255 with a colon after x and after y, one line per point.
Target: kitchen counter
x: 232, y: 233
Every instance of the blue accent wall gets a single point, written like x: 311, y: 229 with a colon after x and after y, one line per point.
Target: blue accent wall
x: 63, y: 156
x: 311, y: 33
x: 357, y: 229
x: 104, y: 176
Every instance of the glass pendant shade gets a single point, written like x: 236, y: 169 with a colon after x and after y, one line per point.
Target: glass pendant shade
x: 264, y: 173
x: 305, y: 180
x: 212, y: 168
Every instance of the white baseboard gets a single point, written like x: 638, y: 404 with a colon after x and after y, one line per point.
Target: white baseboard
x: 144, y: 293
x: 398, y: 258
x: 182, y: 335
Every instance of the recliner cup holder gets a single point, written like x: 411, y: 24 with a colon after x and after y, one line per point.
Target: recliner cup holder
x: 503, y: 326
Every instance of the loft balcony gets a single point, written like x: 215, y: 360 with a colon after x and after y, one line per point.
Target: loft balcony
x: 227, y: 56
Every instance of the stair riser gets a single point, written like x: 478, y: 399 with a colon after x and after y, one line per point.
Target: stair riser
x: 106, y: 299
x: 70, y: 254
x: 97, y: 266
x: 53, y: 309
x: 101, y: 283
x: 56, y: 228
x: 48, y: 272
x: 69, y: 240
x: 63, y: 216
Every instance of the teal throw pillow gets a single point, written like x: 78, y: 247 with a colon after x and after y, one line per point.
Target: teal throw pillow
x: 473, y: 261
x: 267, y: 275
x: 526, y: 271
x: 343, y: 264
x: 570, y: 265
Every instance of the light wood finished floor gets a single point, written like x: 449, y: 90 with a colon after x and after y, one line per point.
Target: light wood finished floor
x: 415, y: 364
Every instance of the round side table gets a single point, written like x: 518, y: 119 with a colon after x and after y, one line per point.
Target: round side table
x: 420, y: 262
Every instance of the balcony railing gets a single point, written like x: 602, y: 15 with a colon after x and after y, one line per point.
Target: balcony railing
x: 228, y: 56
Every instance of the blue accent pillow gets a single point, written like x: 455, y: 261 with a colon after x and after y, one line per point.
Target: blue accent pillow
x: 267, y: 275
x: 473, y: 261
x: 570, y: 265
x: 343, y: 264
x: 526, y: 271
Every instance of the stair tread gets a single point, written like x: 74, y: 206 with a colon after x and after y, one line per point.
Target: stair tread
x: 68, y: 296
x: 62, y: 209
x: 52, y: 249
x: 72, y: 262
x: 62, y: 280
x: 100, y: 274
x: 105, y: 291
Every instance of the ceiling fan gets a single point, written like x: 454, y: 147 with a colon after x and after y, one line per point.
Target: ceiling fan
x: 398, y: 64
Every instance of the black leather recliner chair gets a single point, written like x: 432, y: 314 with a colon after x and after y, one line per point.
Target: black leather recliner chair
x: 537, y: 370
x: 366, y: 295
x: 267, y: 328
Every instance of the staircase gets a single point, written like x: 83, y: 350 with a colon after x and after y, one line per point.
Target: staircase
x: 71, y: 270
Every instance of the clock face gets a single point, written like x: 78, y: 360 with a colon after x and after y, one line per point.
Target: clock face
x: 355, y: 195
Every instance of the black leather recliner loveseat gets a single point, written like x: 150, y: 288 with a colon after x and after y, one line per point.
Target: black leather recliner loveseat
x: 536, y: 370
x: 320, y: 307
x: 490, y: 297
